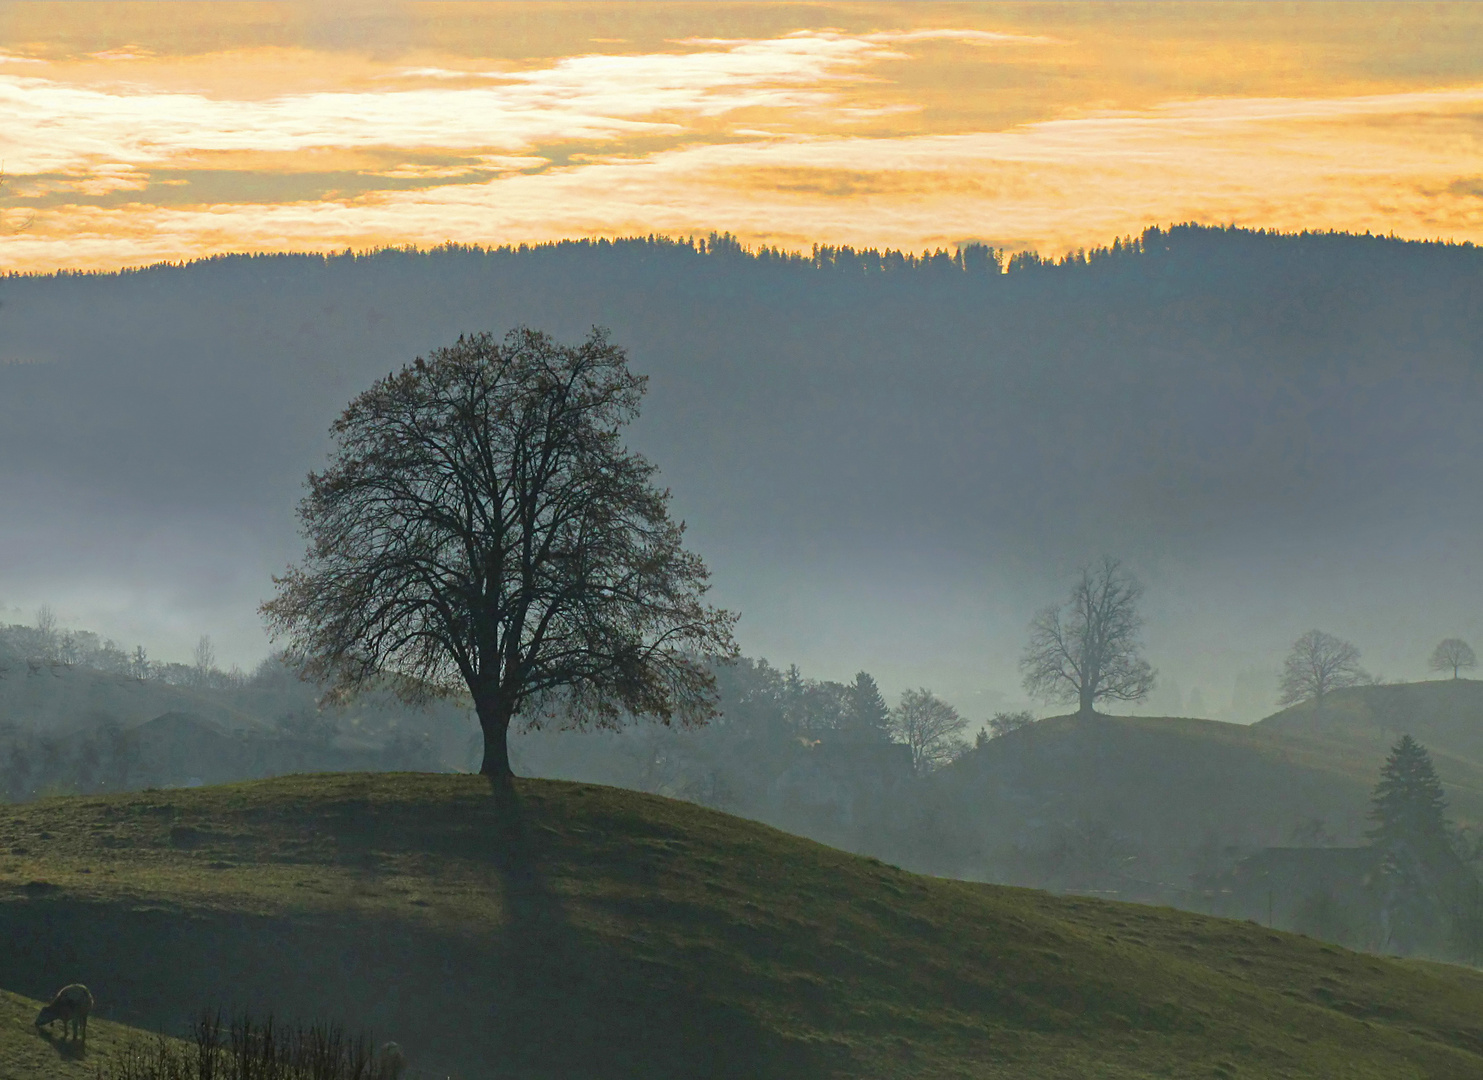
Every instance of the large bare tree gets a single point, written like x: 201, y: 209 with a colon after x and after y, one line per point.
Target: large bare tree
x: 1087, y: 650
x: 481, y: 526
x: 1453, y: 653
x: 1318, y: 664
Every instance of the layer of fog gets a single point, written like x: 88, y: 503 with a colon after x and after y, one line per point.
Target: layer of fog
x: 888, y: 472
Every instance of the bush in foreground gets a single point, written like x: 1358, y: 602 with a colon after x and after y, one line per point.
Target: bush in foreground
x: 244, y: 1049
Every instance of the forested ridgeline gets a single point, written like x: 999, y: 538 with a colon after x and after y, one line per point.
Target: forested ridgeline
x: 1037, y: 409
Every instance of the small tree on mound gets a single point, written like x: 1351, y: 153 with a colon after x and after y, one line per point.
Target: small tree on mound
x: 1319, y: 663
x: 1453, y: 653
x: 1002, y: 723
x: 1087, y: 650
x: 481, y: 526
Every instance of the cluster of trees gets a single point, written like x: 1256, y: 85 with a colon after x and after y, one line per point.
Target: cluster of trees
x: 1087, y: 650
x: 44, y: 645
x: 103, y: 758
x: 1320, y: 663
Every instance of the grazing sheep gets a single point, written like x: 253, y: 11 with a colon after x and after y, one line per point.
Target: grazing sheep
x: 71, y: 1006
x: 392, y: 1062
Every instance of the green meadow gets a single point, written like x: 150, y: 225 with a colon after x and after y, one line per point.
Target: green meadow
x: 568, y: 930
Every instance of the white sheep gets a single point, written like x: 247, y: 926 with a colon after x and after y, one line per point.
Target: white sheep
x: 390, y: 1062
x: 71, y: 1005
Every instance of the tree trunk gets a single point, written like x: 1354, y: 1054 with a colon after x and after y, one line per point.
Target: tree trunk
x: 1088, y: 696
x: 494, y: 720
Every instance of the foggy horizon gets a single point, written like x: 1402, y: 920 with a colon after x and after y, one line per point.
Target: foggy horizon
x: 857, y: 519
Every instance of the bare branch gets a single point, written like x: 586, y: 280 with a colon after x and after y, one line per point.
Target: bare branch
x: 1087, y: 650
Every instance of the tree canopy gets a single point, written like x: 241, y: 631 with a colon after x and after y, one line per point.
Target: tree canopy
x: 1453, y: 653
x: 1317, y: 664
x: 481, y: 526
x: 1087, y: 649
x: 931, y: 727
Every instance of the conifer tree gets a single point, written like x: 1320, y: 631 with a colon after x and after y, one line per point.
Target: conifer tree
x: 868, y: 717
x: 1408, y: 803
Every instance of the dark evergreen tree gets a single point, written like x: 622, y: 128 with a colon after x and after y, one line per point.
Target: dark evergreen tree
x: 1409, y: 804
x: 867, y: 716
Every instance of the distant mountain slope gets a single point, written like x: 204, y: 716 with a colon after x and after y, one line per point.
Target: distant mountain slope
x: 587, y: 931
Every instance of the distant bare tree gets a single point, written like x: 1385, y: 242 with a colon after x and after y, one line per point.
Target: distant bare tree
x: 930, y: 727
x: 46, y: 634
x: 482, y: 527
x: 1453, y: 653
x: 1087, y: 650
x: 1318, y: 664
x: 204, y: 659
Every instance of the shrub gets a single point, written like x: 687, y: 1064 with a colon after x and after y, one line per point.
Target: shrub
x: 244, y: 1049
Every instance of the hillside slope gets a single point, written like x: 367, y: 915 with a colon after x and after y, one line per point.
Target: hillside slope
x: 577, y: 930
x: 1133, y: 805
x: 1445, y: 715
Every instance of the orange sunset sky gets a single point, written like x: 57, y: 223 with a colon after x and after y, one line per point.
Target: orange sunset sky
x: 133, y: 133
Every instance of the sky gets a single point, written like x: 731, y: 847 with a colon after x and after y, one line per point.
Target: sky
x: 136, y: 133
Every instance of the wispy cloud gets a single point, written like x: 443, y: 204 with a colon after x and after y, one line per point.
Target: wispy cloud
x: 789, y: 139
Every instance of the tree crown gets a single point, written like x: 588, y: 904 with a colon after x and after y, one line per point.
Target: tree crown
x: 1088, y: 648
x: 481, y: 526
x: 1452, y: 654
x: 1317, y: 664
x: 930, y: 727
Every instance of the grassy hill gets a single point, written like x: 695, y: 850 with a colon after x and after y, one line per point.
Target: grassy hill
x: 583, y: 931
x: 1362, y: 723
x: 1132, y: 805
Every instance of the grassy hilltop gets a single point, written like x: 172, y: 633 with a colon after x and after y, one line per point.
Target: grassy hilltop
x: 588, y: 931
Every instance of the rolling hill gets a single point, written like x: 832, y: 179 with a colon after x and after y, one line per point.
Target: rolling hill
x: 1133, y: 806
x: 1445, y: 715
x: 577, y: 930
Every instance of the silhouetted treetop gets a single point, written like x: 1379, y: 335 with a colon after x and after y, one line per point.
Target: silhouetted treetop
x: 1409, y: 803
x: 482, y: 526
x: 1319, y: 663
x: 1454, y: 654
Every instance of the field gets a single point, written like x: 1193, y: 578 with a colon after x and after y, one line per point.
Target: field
x: 575, y: 930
